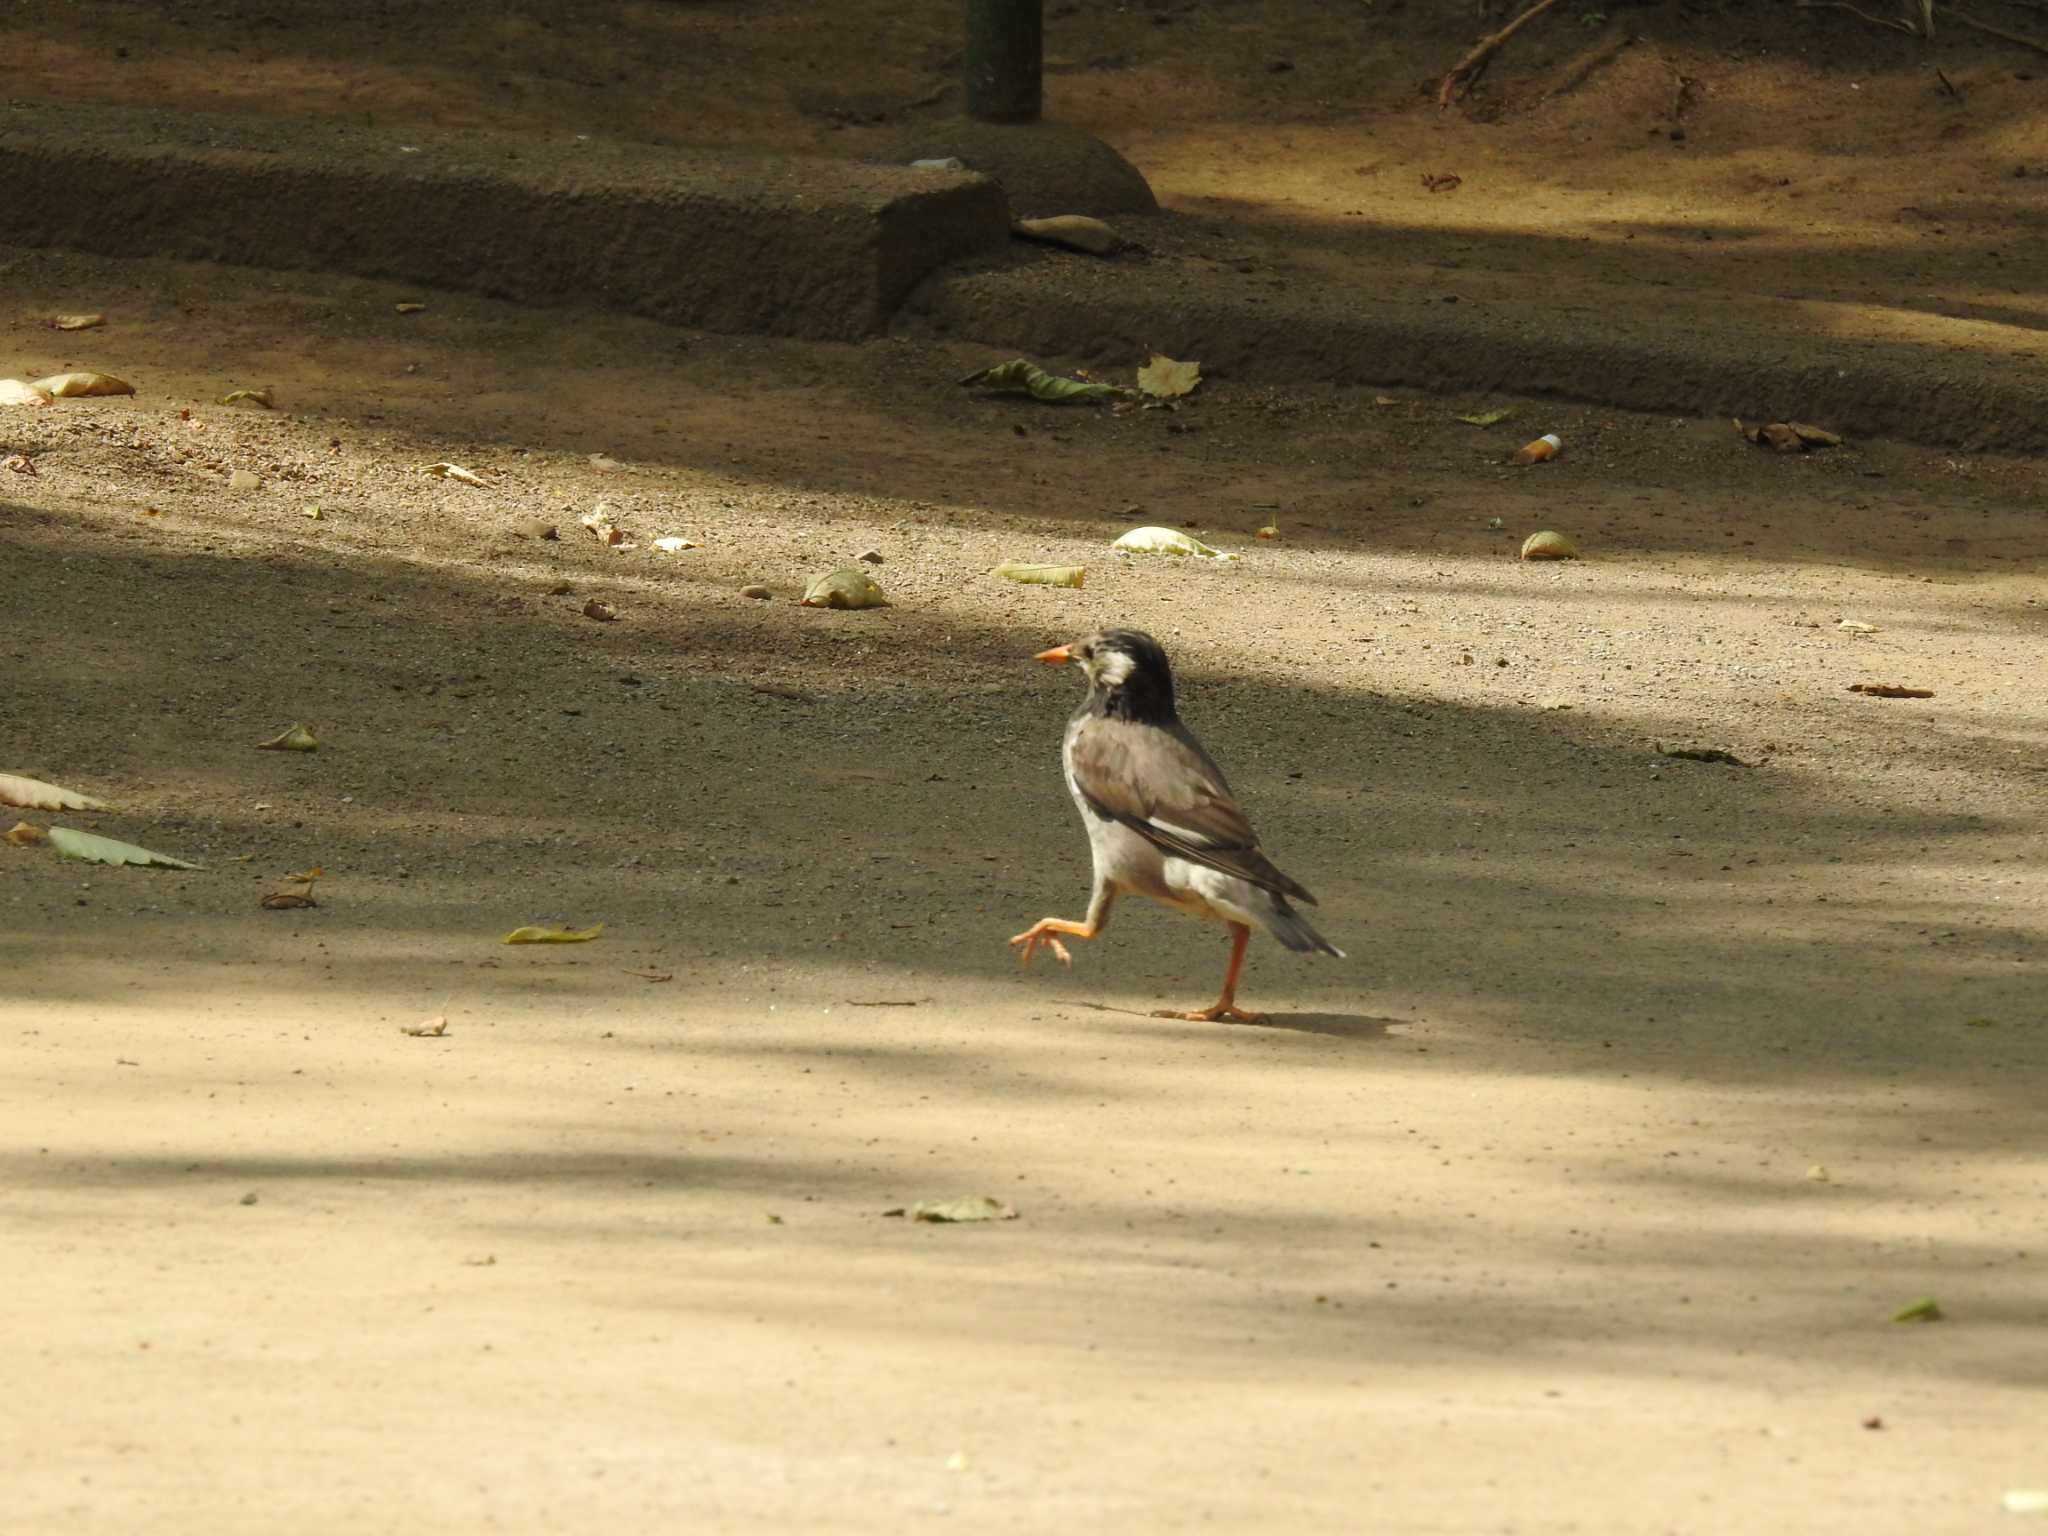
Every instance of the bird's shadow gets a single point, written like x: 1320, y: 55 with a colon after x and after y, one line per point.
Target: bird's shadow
x: 1338, y: 1026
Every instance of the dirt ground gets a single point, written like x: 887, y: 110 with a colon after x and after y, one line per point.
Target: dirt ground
x: 1579, y: 1199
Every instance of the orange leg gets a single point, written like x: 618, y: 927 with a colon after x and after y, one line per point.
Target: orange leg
x: 1042, y: 931
x: 1225, y: 1009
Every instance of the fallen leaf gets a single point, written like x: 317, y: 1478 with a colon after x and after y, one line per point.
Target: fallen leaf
x: 23, y: 835
x: 1924, y: 1311
x: 280, y: 901
x: 1042, y: 575
x: 1781, y: 437
x: 15, y: 392
x: 650, y: 974
x: 70, y: 386
x: 553, y: 933
x: 35, y: 795
x: 1549, y: 545
x: 675, y: 544
x: 1493, y: 417
x: 454, y: 472
x: 1814, y: 437
x: 1165, y: 379
x: 1270, y: 531
x: 597, y: 522
x: 307, y: 877
x: 1703, y: 755
x: 432, y: 1029
x: 1441, y: 181
x: 1980, y: 1021
x: 94, y: 849
x: 1074, y: 230
x: 1857, y: 627
x: 20, y: 463
x: 295, y: 739
x: 1023, y: 376
x: 76, y: 322
x: 1891, y: 691
x: 1166, y: 541
x: 409, y: 308
x: 847, y: 587
x: 1384, y: 400
x: 972, y: 1208
x: 264, y: 397
x: 604, y: 613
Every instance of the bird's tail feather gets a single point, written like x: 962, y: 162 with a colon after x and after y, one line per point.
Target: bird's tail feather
x: 1295, y: 931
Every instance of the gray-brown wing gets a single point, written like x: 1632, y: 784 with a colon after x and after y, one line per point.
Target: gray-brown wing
x: 1161, y: 784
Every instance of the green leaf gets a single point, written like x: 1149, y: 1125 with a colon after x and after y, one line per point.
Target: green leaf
x: 94, y: 849
x: 1022, y: 376
x: 1924, y: 1311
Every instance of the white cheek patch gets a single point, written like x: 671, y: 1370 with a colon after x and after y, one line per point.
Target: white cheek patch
x: 1112, y: 668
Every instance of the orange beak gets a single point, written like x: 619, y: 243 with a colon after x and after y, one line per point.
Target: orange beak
x: 1059, y: 655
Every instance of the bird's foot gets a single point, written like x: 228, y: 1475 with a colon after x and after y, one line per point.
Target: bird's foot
x: 1045, y: 932
x: 1222, y: 1013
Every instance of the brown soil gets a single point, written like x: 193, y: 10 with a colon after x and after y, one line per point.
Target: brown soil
x: 1578, y: 1199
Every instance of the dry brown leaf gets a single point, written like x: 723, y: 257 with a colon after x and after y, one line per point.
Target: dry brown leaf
x: 295, y: 738
x: 280, y: 901
x: 604, y: 613
x: 1165, y: 379
x: 648, y: 973
x: 1441, y: 181
x: 20, y: 463
x: 35, y: 795
x: 265, y: 397
x: 1074, y: 230
x: 23, y: 835
x: 410, y: 308
x: 1891, y: 691
x: 76, y: 322
x: 553, y: 933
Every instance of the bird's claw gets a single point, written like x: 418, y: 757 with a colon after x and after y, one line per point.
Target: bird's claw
x: 1217, y: 1015
x: 1036, y: 935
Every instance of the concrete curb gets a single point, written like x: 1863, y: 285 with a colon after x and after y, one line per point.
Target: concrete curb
x: 817, y: 248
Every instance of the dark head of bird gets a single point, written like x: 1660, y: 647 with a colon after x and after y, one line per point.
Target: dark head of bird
x: 1129, y: 677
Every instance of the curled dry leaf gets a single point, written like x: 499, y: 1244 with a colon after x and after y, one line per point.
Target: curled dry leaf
x: 1891, y: 691
x: 972, y: 1208
x: 19, y: 463
x: 604, y: 613
x: 1926, y: 1310
x: 76, y: 322
x: 71, y: 386
x: 408, y: 307
x: 294, y: 739
x: 281, y: 901
x: 1164, y: 379
x: 1076, y: 231
x: 1703, y: 755
x: 25, y: 835
x: 1549, y: 546
x: 1493, y: 417
x: 94, y: 849
x: 454, y: 472
x: 553, y: 933
x: 597, y: 522
x: 15, y: 392
x: 648, y: 973
x: 35, y: 795
x: 1856, y: 627
x: 1166, y: 541
x: 1441, y: 181
x: 1042, y: 575
x: 1023, y: 376
x: 430, y: 1029
x: 265, y: 397
x: 847, y: 587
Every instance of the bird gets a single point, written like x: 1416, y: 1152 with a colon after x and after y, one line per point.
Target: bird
x: 1161, y: 819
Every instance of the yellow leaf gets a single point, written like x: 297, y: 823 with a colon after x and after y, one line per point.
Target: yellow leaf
x: 66, y: 386
x: 553, y: 934
x: 35, y: 795
x: 262, y: 397
x: 296, y: 739
x: 1165, y: 379
x: 1042, y: 575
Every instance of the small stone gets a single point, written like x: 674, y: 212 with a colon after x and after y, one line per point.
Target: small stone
x: 249, y: 1198
x: 245, y: 480
x: 870, y: 557
x: 759, y: 593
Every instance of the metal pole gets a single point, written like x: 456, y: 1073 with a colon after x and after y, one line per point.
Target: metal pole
x: 1005, y: 60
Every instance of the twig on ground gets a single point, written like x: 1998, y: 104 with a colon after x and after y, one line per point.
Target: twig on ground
x: 1999, y: 32
x: 1462, y: 74
x: 1889, y: 23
